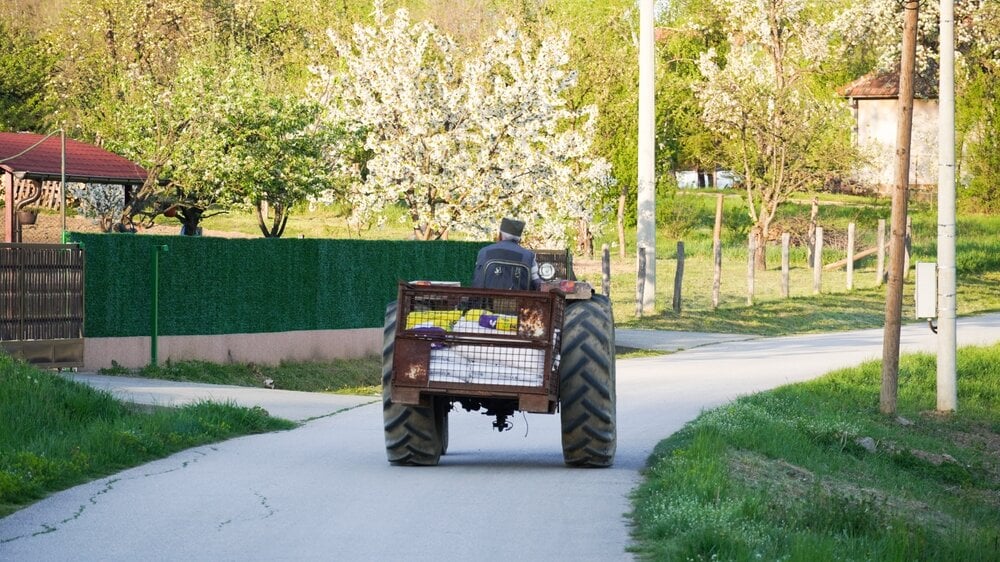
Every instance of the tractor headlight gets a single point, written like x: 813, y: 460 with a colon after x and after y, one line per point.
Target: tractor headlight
x: 547, y: 271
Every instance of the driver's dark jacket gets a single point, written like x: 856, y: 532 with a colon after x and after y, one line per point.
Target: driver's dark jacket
x: 504, y: 272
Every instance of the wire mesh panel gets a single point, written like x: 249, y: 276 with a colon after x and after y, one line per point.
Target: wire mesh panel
x: 476, y: 341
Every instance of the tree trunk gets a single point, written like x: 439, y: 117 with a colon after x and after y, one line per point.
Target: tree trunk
x: 759, y: 233
x: 190, y: 218
x: 278, y: 222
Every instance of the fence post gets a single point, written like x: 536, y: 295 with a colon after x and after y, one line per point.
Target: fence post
x: 818, y: 262
x: 678, y: 278
x: 880, y: 266
x: 785, y: 242
x: 606, y: 270
x: 907, y: 243
x: 850, y: 256
x: 717, y: 253
x: 751, y: 250
x: 811, y: 236
x: 640, y: 277
x: 155, y: 327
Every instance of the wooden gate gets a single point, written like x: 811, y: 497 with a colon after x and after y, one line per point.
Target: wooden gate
x: 41, y: 303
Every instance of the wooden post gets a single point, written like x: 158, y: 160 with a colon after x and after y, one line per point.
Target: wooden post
x: 811, y: 237
x: 900, y: 195
x: 678, y: 278
x: 717, y: 253
x: 818, y: 262
x: 880, y: 244
x: 751, y: 250
x: 606, y: 270
x: 850, y: 256
x: 785, y: 242
x: 640, y: 276
x: 907, y: 245
x: 8, y: 208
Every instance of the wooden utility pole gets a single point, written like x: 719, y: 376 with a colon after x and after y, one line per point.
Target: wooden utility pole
x: 894, y: 289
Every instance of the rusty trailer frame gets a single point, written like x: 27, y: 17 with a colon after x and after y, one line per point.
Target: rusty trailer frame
x: 477, y: 343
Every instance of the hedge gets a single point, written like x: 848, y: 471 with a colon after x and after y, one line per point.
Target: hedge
x: 226, y: 286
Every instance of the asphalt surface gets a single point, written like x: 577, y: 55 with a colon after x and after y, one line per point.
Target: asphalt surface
x: 324, y: 491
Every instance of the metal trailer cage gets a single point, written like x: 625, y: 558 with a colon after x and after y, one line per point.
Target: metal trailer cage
x: 478, y: 343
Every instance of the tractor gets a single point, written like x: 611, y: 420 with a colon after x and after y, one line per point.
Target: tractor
x: 498, y: 352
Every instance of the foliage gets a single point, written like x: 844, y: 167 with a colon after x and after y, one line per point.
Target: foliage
x: 201, y: 94
x: 58, y: 433
x: 783, y: 474
x: 25, y: 65
x: 461, y: 141
x: 783, y: 135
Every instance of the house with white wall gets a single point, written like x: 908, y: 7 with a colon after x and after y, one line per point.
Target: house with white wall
x: 874, y: 104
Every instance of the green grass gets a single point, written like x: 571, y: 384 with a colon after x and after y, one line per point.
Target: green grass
x: 345, y: 376
x: 58, y: 433
x: 783, y: 475
x: 836, y: 308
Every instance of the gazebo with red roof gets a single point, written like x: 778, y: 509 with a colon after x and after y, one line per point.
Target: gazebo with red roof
x: 36, y: 158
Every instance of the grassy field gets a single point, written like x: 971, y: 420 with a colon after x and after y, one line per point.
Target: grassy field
x: 835, y: 308
x: 58, y: 433
x: 813, y: 471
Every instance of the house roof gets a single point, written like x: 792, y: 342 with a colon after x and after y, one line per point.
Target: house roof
x: 24, y: 156
x: 885, y: 85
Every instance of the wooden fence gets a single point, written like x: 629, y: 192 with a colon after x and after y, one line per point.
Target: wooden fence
x: 41, y: 303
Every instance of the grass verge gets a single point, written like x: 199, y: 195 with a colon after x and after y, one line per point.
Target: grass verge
x: 345, y: 376
x: 58, y: 433
x: 813, y: 471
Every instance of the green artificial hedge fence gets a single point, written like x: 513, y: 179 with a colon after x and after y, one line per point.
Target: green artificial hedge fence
x: 230, y: 286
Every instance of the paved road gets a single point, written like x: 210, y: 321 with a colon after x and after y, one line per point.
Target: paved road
x: 324, y: 491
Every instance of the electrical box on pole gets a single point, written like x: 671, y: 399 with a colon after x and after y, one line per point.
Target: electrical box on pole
x: 925, y: 291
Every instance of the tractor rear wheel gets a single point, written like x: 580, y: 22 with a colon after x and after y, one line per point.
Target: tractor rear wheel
x: 587, y: 383
x: 413, y: 435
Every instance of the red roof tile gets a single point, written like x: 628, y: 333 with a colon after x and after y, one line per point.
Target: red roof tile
x: 886, y: 85
x: 84, y: 162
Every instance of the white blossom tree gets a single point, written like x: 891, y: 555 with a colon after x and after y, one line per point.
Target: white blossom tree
x: 783, y: 133
x: 101, y: 202
x: 460, y: 141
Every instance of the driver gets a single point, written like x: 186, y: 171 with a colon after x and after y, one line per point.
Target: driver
x: 505, y: 264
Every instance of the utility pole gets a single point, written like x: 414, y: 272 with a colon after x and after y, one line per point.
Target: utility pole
x: 897, y: 241
x: 947, y: 386
x: 646, y: 216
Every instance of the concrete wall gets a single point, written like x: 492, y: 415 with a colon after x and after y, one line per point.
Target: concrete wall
x: 876, y: 121
x: 268, y: 349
